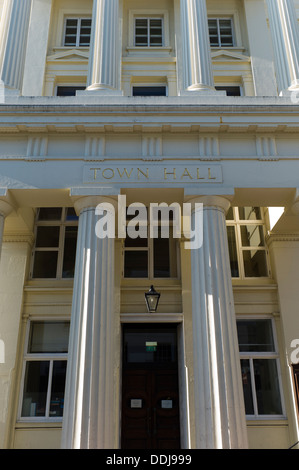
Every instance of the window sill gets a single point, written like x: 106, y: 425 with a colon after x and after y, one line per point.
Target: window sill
x: 49, y: 284
x: 268, y: 421
x: 164, y: 51
x: 29, y: 424
x: 70, y: 48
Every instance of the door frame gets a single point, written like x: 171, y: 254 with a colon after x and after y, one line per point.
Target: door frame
x: 182, y: 368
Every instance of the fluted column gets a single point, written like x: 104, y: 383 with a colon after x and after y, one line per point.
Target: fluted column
x: 105, y: 50
x: 197, y: 72
x: 89, y: 407
x: 219, y: 403
x: 285, y: 37
x: 14, y: 31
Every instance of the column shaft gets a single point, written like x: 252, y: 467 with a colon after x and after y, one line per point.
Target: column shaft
x: 219, y: 402
x: 285, y: 36
x: 88, y: 415
x: 104, y: 63
x: 17, y: 13
x: 196, y: 54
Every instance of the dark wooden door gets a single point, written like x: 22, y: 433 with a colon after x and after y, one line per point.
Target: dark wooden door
x: 150, y: 392
x: 150, y: 409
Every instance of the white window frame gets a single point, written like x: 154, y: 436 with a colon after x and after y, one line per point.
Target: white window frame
x: 149, y: 14
x: 148, y: 19
x: 62, y: 224
x: 79, y: 18
x: 218, y: 19
x: 30, y: 357
x: 237, y: 223
x: 263, y: 355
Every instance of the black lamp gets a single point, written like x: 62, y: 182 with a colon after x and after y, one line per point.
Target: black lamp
x: 152, y: 299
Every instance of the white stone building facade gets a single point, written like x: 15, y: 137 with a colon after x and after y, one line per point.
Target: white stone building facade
x: 179, y: 102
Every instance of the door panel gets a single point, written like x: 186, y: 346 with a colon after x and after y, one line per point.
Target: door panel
x: 150, y: 412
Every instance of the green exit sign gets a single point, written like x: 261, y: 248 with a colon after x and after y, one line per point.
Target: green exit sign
x: 151, y: 346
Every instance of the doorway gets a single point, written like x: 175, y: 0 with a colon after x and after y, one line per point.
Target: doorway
x: 150, y: 387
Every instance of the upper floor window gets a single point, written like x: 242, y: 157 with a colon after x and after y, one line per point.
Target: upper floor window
x: 149, y: 32
x: 77, y: 32
x: 246, y: 242
x: 54, y: 252
x: 44, y: 373
x: 221, y: 32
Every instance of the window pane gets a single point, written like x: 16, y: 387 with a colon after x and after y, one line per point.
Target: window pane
x: 252, y: 235
x: 58, y: 386
x: 136, y: 242
x: 141, y: 23
x: 85, y: 32
x: 47, y: 237
x: 155, y: 345
x: 232, y: 248
x: 45, y: 264
x: 49, y: 337
x: 141, y: 41
x: 71, y: 214
x: 247, y: 390
x: 255, y: 335
x: 161, y: 257
x: 71, y: 32
x: 35, y: 388
x: 230, y: 212
x: 267, y: 387
x: 50, y: 213
x: 250, y: 213
x: 149, y: 91
x: 136, y: 264
x: 213, y: 32
x: 255, y: 263
x: 70, y: 246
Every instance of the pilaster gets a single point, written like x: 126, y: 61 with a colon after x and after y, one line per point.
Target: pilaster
x: 38, y: 35
x: 260, y: 49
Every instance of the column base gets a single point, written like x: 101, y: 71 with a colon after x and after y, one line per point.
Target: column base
x: 201, y: 90
x: 7, y: 92
x: 292, y: 92
x: 99, y: 90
